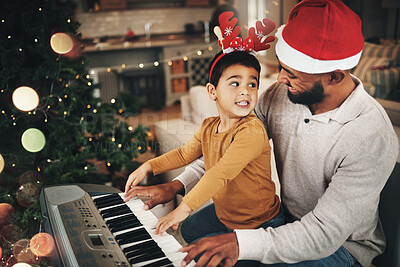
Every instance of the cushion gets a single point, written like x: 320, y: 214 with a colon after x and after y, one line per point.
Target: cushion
x: 202, y: 105
x: 383, y: 51
x: 369, y: 63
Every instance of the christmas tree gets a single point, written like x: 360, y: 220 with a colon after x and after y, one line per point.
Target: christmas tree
x: 52, y: 129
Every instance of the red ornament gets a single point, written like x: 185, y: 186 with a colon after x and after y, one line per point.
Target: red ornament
x: 6, y: 211
x: 27, y: 195
x: 42, y: 244
x: 23, y: 253
x: 1, y: 253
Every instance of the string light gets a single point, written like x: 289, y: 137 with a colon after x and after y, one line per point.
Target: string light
x: 40, y: 9
x: 141, y: 65
x: 119, y: 145
x: 9, y: 37
x: 89, y: 83
x: 185, y: 58
x: 94, y: 110
x: 130, y: 128
x: 112, y: 101
x: 199, y: 53
x: 156, y: 63
x: 87, y: 76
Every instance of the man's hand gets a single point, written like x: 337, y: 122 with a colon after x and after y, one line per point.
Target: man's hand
x: 220, y: 249
x: 173, y: 219
x: 159, y: 194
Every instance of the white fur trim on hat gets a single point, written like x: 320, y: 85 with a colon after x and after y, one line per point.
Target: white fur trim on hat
x: 304, y: 63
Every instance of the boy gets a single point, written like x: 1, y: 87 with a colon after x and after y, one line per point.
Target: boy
x: 235, y: 148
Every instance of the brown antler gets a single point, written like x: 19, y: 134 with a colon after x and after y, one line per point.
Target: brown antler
x: 227, y: 31
x: 259, y: 38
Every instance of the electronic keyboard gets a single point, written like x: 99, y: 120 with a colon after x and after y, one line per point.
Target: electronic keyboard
x: 93, y: 226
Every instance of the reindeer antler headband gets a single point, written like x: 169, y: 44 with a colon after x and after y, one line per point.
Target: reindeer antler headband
x: 229, y: 40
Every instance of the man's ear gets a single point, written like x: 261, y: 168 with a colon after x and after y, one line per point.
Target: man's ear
x: 211, y: 90
x: 336, y: 77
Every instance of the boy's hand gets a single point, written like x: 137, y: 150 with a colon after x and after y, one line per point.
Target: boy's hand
x: 173, y: 218
x: 137, y: 176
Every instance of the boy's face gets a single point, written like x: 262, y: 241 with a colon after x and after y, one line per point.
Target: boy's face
x: 236, y: 91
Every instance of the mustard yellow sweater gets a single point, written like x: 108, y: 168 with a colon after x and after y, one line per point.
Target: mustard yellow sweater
x: 238, y: 171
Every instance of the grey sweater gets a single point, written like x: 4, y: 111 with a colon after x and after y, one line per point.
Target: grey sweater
x: 332, y: 168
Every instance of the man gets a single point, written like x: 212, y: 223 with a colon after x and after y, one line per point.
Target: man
x: 334, y: 146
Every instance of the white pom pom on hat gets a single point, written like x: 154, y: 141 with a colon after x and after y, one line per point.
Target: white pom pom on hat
x: 320, y: 36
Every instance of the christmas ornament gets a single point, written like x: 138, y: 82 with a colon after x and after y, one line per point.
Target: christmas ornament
x: 6, y: 211
x: 23, y: 253
x: 10, y: 234
x: 42, y: 244
x: 61, y: 43
x: 33, y: 177
x: 27, y: 195
x: 33, y: 140
x: 25, y: 98
x: 1, y: 163
x: 1, y: 252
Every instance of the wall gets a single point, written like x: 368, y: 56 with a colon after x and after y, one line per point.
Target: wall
x: 164, y: 21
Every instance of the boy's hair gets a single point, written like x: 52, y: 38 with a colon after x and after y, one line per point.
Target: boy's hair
x: 233, y: 58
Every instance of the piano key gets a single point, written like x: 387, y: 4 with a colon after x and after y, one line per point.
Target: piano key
x: 160, y: 263
x: 143, y: 245
x: 146, y: 257
x: 129, y: 224
x: 152, y: 249
x: 117, y: 210
x: 142, y: 242
x: 108, y: 203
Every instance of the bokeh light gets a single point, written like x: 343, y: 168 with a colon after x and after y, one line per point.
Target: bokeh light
x: 61, y: 43
x: 1, y: 163
x: 42, y: 244
x: 22, y: 264
x: 25, y: 98
x: 33, y: 140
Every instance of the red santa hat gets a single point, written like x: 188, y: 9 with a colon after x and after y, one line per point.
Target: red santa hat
x: 320, y: 36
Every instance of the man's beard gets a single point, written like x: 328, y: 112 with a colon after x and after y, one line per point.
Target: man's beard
x: 313, y: 96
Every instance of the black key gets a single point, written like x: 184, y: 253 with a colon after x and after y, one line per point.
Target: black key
x: 137, y: 253
x: 110, y: 203
x: 129, y: 237
x: 123, y: 221
x: 163, y: 262
x: 125, y: 226
x: 107, y: 198
x: 139, y: 246
x: 131, y: 233
x: 122, y: 218
x: 115, y: 211
x: 146, y: 257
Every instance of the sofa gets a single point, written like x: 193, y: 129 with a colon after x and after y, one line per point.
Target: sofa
x: 379, y: 69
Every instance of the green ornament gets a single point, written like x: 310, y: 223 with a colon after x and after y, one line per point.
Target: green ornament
x: 33, y: 140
